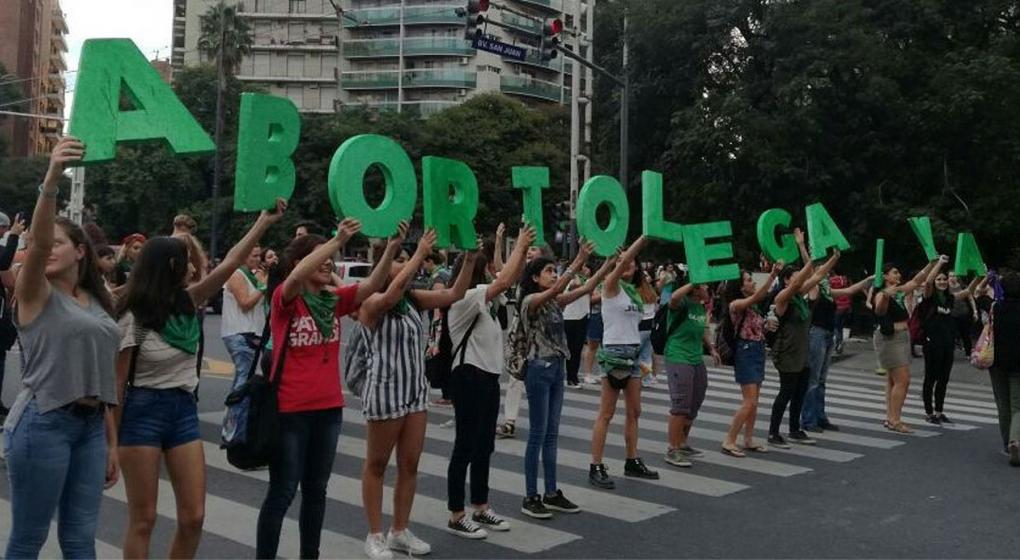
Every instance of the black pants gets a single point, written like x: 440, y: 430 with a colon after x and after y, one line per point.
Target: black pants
x: 963, y: 328
x: 938, y: 363
x: 577, y: 331
x: 304, y: 456
x: 476, y: 409
x: 792, y: 388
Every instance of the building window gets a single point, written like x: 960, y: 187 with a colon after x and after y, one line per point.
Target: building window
x: 296, y: 7
x: 296, y: 32
x: 295, y: 66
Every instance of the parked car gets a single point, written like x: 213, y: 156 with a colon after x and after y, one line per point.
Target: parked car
x: 352, y: 272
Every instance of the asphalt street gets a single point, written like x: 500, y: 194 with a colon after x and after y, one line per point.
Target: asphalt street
x: 862, y: 492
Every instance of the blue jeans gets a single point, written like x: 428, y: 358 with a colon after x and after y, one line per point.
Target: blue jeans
x: 235, y: 421
x: 544, y: 385
x: 304, y: 456
x: 813, y: 414
x: 55, y: 462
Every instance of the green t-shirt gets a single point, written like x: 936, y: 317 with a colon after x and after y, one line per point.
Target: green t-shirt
x: 685, y: 344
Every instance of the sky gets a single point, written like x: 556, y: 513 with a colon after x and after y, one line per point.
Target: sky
x: 148, y: 23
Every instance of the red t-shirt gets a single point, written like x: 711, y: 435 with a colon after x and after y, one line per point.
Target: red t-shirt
x: 311, y: 369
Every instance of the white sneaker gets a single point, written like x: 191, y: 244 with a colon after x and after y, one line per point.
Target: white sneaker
x: 448, y: 424
x: 405, y: 541
x: 590, y: 380
x: 375, y: 547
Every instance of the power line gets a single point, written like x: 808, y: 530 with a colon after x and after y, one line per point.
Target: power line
x: 3, y: 82
x: 26, y: 100
x: 33, y: 115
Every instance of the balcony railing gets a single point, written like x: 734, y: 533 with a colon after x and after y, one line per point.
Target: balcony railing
x: 555, y: 65
x: 518, y: 85
x: 420, y: 108
x: 412, y: 79
x: 413, y: 15
x: 551, y: 5
x: 523, y: 24
x: 413, y: 46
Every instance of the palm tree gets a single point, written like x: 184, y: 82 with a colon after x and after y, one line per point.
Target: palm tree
x: 225, y: 38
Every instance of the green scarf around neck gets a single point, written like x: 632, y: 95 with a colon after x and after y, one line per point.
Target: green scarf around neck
x: 632, y: 293
x: 824, y: 289
x: 801, y: 306
x: 322, y: 307
x: 403, y: 306
x: 182, y: 332
x: 252, y: 278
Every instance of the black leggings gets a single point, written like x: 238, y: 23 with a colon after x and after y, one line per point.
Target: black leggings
x: 938, y: 363
x: 792, y: 388
x: 476, y: 409
x: 577, y: 331
x: 963, y: 328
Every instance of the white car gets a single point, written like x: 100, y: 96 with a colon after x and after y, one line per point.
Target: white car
x: 352, y: 272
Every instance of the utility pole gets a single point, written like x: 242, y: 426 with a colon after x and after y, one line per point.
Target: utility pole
x: 76, y: 206
x: 339, y: 9
x: 217, y: 164
x: 400, y: 62
x: 624, y: 111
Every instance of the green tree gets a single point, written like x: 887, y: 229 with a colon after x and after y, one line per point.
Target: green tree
x: 224, y: 31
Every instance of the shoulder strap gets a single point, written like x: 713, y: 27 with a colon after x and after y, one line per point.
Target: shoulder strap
x: 278, y: 370
x: 140, y: 334
x: 462, y: 349
x: 266, y: 334
x: 201, y: 352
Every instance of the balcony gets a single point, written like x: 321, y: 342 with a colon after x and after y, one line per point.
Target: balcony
x: 521, y: 85
x: 412, y: 79
x: 265, y: 78
x: 295, y: 46
x: 419, y: 108
x: 547, y: 5
x: 413, y: 15
x: 59, y: 22
x: 554, y: 65
x: 414, y: 46
x: 522, y: 24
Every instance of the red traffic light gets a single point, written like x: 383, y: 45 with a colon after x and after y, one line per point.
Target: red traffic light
x: 553, y: 27
x: 475, y: 6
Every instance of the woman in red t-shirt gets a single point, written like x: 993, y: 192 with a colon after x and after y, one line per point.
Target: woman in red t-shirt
x: 305, y: 321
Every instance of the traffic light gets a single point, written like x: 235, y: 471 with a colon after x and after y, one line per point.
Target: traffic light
x: 561, y: 214
x: 551, y: 30
x: 473, y: 18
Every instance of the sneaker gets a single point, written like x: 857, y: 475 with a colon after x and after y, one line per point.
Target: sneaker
x: 375, y: 547
x: 505, y: 430
x: 932, y: 419
x: 573, y: 385
x: 598, y: 476
x: 944, y: 419
x: 801, y: 438
x: 689, y: 451
x: 636, y: 468
x: 1014, y: 453
x: 589, y: 379
x: 442, y: 402
x: 466, y: 528
x: 826, y: 425
x: 451, y: 423
x: 776, y: 440
x: 558, y: 502
x: 489, y: 519
x: 676, y: 458
x: 405, y: 541
x: 533, y: 507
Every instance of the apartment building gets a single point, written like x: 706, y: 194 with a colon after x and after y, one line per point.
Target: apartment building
x: 32, y: 51
x: 393, y: 55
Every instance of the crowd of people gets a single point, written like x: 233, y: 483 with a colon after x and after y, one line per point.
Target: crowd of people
x: 132, y: 318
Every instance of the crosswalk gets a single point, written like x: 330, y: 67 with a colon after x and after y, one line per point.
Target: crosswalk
x: 855, y: 402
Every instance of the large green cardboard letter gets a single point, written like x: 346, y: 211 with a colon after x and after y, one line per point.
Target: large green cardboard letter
x: 532, y: 180
x: 346, y: 175
x: 110, y: 68
x: 653, y: 223
x: 700, y: 254
x: 786, y: 248
x: 922, y: 229
x: 599, y: 190
x: 451, y: 214
x: 879, y: 262
x: 267, y: 134
x: 823, y: 232
x: 968, y: 256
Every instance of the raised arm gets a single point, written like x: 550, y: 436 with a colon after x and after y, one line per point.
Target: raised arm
x: 677, y: 298
x: 497, y: 250
x: 8, y: 251
x: 381, y: 272
x: 797, y: 280
x: 444, y: 297
x: 33, y: 289
x: 307, y: 266
x: 854, y: 288
x: 589, y: 286
x: 821, y: 272
x: 541, y: 298
x: 916, y: 281
x: 929, y: 280
x: 208, y: 285
x: 982, y: 285
x: 739, y: 305
x: 377, y: 304
x: 238, y: 287
x: 511, y: 273
x: 612, y: 284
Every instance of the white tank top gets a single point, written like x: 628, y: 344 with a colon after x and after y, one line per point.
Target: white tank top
x: 621, y: 318
x: 235, y: 321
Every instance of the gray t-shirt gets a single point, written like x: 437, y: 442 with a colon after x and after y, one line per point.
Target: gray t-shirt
x: 159, y: 365
x: 545, y: 329
x: 68, y: 352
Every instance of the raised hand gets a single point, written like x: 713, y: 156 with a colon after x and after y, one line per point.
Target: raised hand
x: 500, y: 231
x: 19, y: 225
x: 777, y: 267
x: 427, y: 242
x: 798, y: 236
x: 347, y: 229
x: 585, y: 250
x: 526, y: 236
x: 274, y: 215
x: 399, y: 237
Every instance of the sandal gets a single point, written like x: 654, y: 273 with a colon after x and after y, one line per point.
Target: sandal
x: 757, y: 448
x: 733, y: 452
x: 887, y: 425
x: 901, y: 428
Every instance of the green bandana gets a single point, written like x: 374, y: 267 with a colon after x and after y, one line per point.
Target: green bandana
x: 940, y: 298
x: 824, y: 289
x: 322, y: 307
x: 633, y: 294
x: 801, y: 305
x: 403, y: 306
x: 252, y: 278
x: 182, y: 332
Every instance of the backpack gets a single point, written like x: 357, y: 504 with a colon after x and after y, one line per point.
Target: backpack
x: 8, y: 332
x: 440, y: 367
x: 356, y: 362
x: 726, y: 338
x: 915, y: 324
x: 235, y: 419
x: 515, y: 347
x: 662, y: 329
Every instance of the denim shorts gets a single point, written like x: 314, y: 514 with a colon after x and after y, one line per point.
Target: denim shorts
x: 595, y: 327
x: 163, y: 418
x: 749, y: 362
x: 623, y: 351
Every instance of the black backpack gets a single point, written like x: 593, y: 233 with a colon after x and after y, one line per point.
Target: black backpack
x: 662, y: 329
x: 8, y: 332
x: 726, y: 338
x: 439, y: 367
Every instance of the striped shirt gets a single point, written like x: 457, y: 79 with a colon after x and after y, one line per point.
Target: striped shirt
x: 395, y: 385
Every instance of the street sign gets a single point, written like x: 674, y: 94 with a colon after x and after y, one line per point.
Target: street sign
x: 498, y: 47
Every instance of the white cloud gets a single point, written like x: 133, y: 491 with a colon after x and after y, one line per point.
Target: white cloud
x: 149, y: 23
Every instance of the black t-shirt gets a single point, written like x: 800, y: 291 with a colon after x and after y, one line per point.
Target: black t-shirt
x: 823, y: 313
x: 937, y: 318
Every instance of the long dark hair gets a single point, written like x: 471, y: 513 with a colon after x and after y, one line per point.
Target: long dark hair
x: 734, y: 289
x: 155, y: 289
x: 90, y: 278
x: 297, y: 249
x: 534, y: 268
x: 478, y: 275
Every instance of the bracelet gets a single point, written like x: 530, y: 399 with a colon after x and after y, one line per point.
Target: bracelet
x: 47, y: 194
